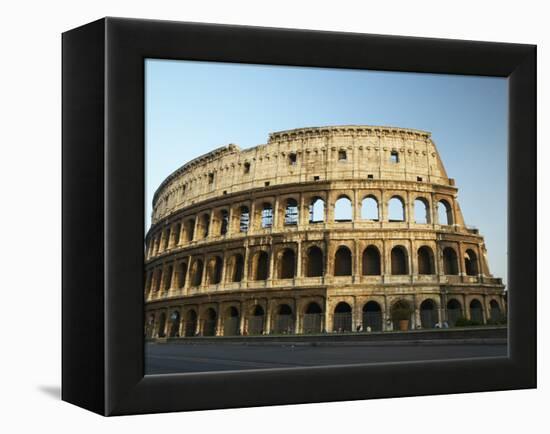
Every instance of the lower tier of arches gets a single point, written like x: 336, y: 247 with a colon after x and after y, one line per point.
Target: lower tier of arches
x: 322, y: 311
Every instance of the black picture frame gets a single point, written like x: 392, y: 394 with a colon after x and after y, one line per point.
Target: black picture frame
x: 103, y: 218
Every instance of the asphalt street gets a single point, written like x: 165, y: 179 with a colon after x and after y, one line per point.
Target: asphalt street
x: 166, y: 358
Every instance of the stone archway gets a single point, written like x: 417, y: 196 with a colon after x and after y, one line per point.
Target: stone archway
x: 313, y: 318
x: 342, y: 320
x: 372, y: 317
x: 428, y: 314
x: 231, y: 322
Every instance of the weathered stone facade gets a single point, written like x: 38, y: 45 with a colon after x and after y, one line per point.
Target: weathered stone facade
x: 320, y: 229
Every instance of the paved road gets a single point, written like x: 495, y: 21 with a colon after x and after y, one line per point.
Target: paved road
x: 179, y: 358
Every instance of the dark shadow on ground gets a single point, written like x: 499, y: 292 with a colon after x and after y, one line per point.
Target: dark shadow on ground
x: 51, y: 391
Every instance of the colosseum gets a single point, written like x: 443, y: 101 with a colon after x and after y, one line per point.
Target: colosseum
x: 321, y: 230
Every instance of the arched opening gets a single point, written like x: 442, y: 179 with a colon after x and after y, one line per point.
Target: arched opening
x: 444, y: 213
x: 454, y: 312
x: 162, y: 325
x: 287, y: 264
x: 157, y: 280
x: 210, y: 319
x: 204, y: 225
x: 343, y: 211
x: 165, y: 239
x: 401, y: 315
x: 371, y: 261
x: 267, y: 215
x: 196, y: 272
x: 494, y: 310
x: 342, y: 318
x: 450, y: 263
x: 313, y: 318
x: 317, y: 210
x: 372, y: 317
x: 399, y: 265
x: 215, y: 270
x: 342, y: 262
x: 396, y: 209
x: 369, y: 208
x: 256, y: 321
x: 238, y: 268
x: 425, y: 258
x: 476, y: 312
x: 291, y: 212
x: 175, y: 324
x: 315, y: 263
x: 168, y: 278
x: 284, y: 321
x: 421, y: 211
x: 190, y: 323
x: 428, y: 314
x: 182, y: 274
x: 244, y: 219
x: 470, y: 263
x: 189, y: 230
x: 177, y: 231
x: 262, y: 266
x: 149, y: 326
x: 224, y: 221
x: 231, y: 322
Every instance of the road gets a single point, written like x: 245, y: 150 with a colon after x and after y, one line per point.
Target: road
x: 168, y: 358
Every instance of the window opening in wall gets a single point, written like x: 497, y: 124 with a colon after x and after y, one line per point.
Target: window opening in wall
x: 267, y: 184
x: 342, y: 155
x: 369, y: 209
x: 394, y: 157
x: 421, y: 211
x: 343, y: 209
x: 292, y: 159
x: 210, y: 178
x: 224, y: 222
x: 225, y: 192
x: 317, y: 210
x: 419, y: 178
x: 246, y: 167
x: 399, y: 261
x: 267, y: 216
x: 370, y: 176
x: 291, y: 212
x: 396, y: 209
x: 316, y: 178
x: 244, y: 219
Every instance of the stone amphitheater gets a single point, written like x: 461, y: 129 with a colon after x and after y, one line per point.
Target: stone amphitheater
x: 321, y: 230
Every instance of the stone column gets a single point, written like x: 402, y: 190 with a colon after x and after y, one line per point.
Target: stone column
x: 299, y: 259
x: 275, y: 223
x: 242, y: 317
x: 244, y: 280
x: 224, y: 266
x: 219, y: 321
x: 271, y: 253
x: 203, y: 276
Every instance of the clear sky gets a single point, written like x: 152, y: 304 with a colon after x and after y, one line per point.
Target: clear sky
x: 194, y: 107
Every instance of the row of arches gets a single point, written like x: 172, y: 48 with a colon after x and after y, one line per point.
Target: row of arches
x: 194, y: 272
x: 313, y: 319
x: 219, y: 223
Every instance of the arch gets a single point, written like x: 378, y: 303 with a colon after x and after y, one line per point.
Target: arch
x: 168, y: 278
x: 450, y: 263
x: 454, y: 311
x: 262, y: 266
x: 215, y: 266
x: 372, y: 317
x: 369, y: 209
x: 342, y: 262
x: 166, y: 239
x: 237, y: 263
x: 224, y: 221
x: 157, y: 280
x: 189, y: 227
x: 149, y: 326
x: 162, y: 325
x: 256, y: 321
x: 476, y: 311
x: 291, y: 212
x: 342, y: 317
x: 494, y: 310
x: 421, y: 211
x: 396, y: 209
x: 428, y: 314
x: 287, y: 264
x: 190, y: 323
x: 315, y: 262
x: 231, y: 322
x: 470, y: 263
x: 244, y: 219
x: 371, y: 261
x: 182, y: 274
x: 284, y: 320
x: 425, y: 259
x: 444, y: 212
x: 267, y: 215
x: 343, y: 210
x: 175, y: 324
x: 399, y: 261
x: 400, y: 312
x: 313, y: 318
x: 317, y: 210
x: 196, y: 272
x: 209, y: 323
x: 205, y: 225
x: 177, y: 232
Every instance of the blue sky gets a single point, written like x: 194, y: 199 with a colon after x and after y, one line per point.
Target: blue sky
x: 194, y: 107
